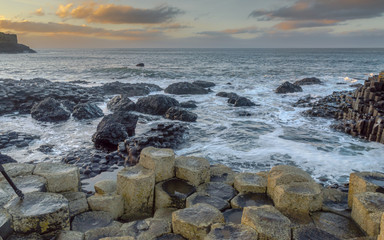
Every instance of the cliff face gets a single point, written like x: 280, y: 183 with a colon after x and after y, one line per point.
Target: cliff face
x: 8, y: 44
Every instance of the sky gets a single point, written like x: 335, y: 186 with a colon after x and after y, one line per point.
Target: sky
x: 194, y: 23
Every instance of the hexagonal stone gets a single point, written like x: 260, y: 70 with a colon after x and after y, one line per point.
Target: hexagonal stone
x: 268, y: 222
x: 192, y: 169
x: 284, y: 174
x: 70, y: 235
x: 217, y: 189
x: 77, y: 202
x: 301, y: 197
x: 337, y: 225
x: 367, y: 209
x: 91, y: 220
x: 216, y: 202
x: 361, y: 182
x: 172, y: 193
x: 161, y: 160
x: 111, y: 230
x: 136, y: 185
x: 311, y: 233
x: 5, y: 224
x: 26, y: 183
x: 243, y: 200
x: 164, y: 213
x: 233, y: 215
x: 194, y: 222
x: 222, y: 173
x: 106, y: 187
x: 146, y: 229
x: 60, y: 177
x: 39, y: 213
x: 114, y: 204
x: 250, y: 182
x: 17, y: 169
x: 231, y: 232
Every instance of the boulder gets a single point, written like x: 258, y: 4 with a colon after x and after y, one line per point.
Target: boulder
x: 60, y: 177
x: 239, y: 101
x: 204, y: 84
x: 105, y: 187
x: 188, y: 104
x: 160, y: 160
x: 70, y: 235
x: 146, y: 229
x: 222, y: 173
x: 136, y: 185
x: 77, y: 202
x: 129, y: 89
x: 121, y: 103
x: 155, y: 104
x: 39, y: 213
x: 87, y: 111
x: 288, y: 87
x: 49, y: 110
x: 176, y: 113
x: 140, y: 65
x: 217, y: 189
x: 172, y: 193
x: 192, y: 169
x: 194, y: 222
x: 268, y: 222
x: 113, y: 204
x: 231, y: 231
x: 231, y: 95
x: 250, y: 182
x: 243, y: 200
x: 360, y: 182
x: 182, y: 88
x: 216, y: 202
x: 308, y: 81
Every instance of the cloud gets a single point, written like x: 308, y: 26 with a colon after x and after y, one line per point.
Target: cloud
x: 118, y: 14
x: 321, y: 12
x: 171, y: 27
x: 233, y: 31
x: 51, y: 28
x: 39, y: 12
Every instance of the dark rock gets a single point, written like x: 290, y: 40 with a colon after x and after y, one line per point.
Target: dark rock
x: 176, y: 113
x: 288, y: 87
x: 15, y: 48
x: 6, y: 159
x: 312, y: 233
x: 305, y: 101
x: 91, y: 220
x: 45, y: 148
x: 18, y: 139
x: 188, y: 104
x: 156, y: 104
x: 218, y: 189
x: 244, y: 114
x: 204, y: 84
x: 227, y: 95
x: 49, y: 110
x: 170, y: 236
x: 241, y: 102
x: 137, y: 89
x: 178, y: 191
x: 251, y: 199
x: 181, y: 88
x: 121, y: 103
x: 140, y: 65
x: 87, y: 111
x: 308, y: 81
x: 233, y: 215
x: 69, y: 105
x: 217, y: 202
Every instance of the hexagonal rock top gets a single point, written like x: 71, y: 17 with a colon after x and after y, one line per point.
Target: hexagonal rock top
x: 192, y: 169
x: 222, y: 173
x: 149, y: 228
x: 60, y: 177
x: 161, y: 160
x: 17, y: 169
x: 268, y: 222
x: 217, y: 189
x: 364, y: 182
x: 39, y: 213
x: 172, y: 193
x: 106, y: 187
x: 216, y: 202
x: 231, y: 232
x: 250, y: 182
x: 91, y: 220
x: 243, y: 200
x: 195, y: 222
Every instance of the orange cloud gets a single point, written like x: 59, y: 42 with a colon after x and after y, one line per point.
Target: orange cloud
x: 39, y: 12
x: 290, y: 25
x: 118, y: 14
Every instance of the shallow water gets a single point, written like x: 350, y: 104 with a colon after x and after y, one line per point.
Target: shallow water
x: 276, y: 133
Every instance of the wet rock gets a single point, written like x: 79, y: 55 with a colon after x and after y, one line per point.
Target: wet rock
x: 308, y: 81
x: 128, y: 89
x: 39, y: 213
x: 243, y: 200
x: 121, y: 103
x: 172, y: 193
x: 222, y: 173
x: 268, y: 222
x: 87, y: 111
x: 239, y: 101
x: 328, y: 107
x: 113, y: 204
x: 227, y: 95
x: 70, y: 235
x: 195, y: 170
x: 336, y: 201
x: 217, y: 189
x: 50, y: 110
x: 288, y: 87
x: 156, y: 104
x: 106, y: 187
x: 136, y: 185
x: 361, y: 182
x: 188, y: 104
x: 45, y: 148
x: 306, y: 101
x: 250, y: 182
x: 340, y: 226
x: 182, y: 88
x: 194, y: 222
x: 4, y: 159
x: 162, y: 161
x: 146, y: 229
x: 18, y: 139
x: 216, y: 202
x: 231, y: 232
x: 176, y: 113
x: 26, y: 183
x: 77, y: 202
x: 204, y: 84
x: 5, y: 224
x: 60, y: 177
x: 311, y: 233
x: 91, y: 220
x: 233, y: 215
x: 140, y: 65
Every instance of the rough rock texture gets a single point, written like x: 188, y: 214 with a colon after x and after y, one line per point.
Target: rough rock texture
x: 250, y: 182
x: 12, y: 138
x: 172, y: 193
x: 162, y: 161
x: 77, y: 202
x: 250, y: 199
x: 308, y: 81
x: 146, y: 229
x: 91, y: 220
x: 361, y: 182
x: 128, y: 89
x: 105, y: 187
x: 204, y: 84
x: 113, y: 204
x: 192, y: 169
x: 176, y: 113
x: 216, y: 202
x: 194, y: 222
x: 288, y: 87
x: 17, y: 169
x: 26, y: 183
x: 108, y: 231
x: 231, y: 232
x: 87, y: 111
x: 312, y: 233
x: 182, y: 88
x: 121, y: 103
x: 70, y: 235
x: 50, y: 110
x: 222, y: 173
x: 155, y: 104
x: 217, y: 189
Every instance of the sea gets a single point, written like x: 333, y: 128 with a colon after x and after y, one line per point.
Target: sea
x: 275, y: 133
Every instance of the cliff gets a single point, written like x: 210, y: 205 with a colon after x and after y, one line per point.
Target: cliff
x: 9, y: 44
